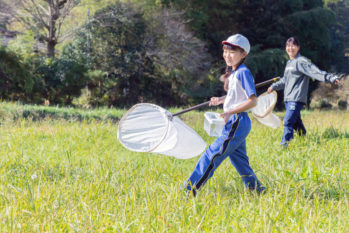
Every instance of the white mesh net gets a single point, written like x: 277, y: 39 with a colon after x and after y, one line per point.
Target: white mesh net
x: 150, y: 128
x: 263, y: 111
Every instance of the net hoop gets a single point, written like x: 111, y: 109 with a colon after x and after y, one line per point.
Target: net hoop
x: 270, y: 107
x: 147, y: 127
x: 125, y: 117
x: 263, y: 112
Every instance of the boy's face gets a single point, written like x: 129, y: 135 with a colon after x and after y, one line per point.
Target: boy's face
x: 292, y: 50
x: 233, y: 57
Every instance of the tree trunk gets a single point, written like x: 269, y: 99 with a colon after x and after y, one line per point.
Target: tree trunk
x: 51, y: 48
x: 51, y: 40
x: 46, y: 18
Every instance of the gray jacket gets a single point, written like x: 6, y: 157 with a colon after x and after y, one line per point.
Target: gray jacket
x: 295, y: 81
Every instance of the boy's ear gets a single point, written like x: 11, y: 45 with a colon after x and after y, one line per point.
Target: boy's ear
x: 244, y: 53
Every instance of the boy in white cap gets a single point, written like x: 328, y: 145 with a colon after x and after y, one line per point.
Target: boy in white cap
x: 241, y: 96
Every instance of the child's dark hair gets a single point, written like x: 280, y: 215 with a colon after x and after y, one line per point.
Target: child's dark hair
x: 293, y: 40
x: 228, y: 70
x: 224, y: 77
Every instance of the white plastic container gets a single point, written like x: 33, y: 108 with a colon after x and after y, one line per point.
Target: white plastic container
x: 213, y: 124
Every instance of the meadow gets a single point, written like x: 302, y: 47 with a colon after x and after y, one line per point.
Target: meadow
x: 72, y: 175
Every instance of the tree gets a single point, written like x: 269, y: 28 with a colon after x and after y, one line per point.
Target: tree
x: 133, y: 57
x: 340, y: 33
x: 179, y: 57
x: 267, y: 24
x: 60, y: 79
x: 43, y: 17
x: 4, y: 17
x: 16, y: 83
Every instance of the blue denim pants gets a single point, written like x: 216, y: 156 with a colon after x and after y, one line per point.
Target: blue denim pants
x: 292, y: 121
x: 231, y: 144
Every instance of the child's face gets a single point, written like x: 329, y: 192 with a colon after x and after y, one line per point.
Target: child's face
x: 292, y: 50
x: 233, y: 57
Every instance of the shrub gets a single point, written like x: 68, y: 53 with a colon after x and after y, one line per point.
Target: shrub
x: 334, y: 95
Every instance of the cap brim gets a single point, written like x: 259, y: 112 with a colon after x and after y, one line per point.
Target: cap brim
x: 234, y: 45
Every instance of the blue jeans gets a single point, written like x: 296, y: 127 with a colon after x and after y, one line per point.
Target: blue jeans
x: 292, y: 121
x: 231, y: 144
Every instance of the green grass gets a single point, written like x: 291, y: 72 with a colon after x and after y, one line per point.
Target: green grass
x: 74, y: 176
x: 16, y: 111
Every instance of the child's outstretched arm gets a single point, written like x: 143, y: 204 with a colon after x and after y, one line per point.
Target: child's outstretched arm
x: 312, y: 71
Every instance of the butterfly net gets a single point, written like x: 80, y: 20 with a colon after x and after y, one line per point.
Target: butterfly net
x: 150, y: 128
x: 263, y: 111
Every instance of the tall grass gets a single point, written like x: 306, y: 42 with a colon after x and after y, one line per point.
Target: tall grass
x: 74, y: 176
x: 14, y: 111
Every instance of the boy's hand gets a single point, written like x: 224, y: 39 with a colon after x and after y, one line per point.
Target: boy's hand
x: 270, y: 89
x: 226, y: 116
x: 338, y: 79
x: 215, y: 101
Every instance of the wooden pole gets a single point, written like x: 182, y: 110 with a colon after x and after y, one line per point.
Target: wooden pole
x: 208, y: 102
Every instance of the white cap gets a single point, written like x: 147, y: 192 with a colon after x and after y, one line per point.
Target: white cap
x: 239, y: 41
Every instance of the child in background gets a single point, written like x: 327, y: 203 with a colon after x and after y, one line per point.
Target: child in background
x: 295, y: 83
x: 241, y: 96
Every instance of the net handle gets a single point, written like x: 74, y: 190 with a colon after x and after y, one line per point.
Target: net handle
x: 208, y: 102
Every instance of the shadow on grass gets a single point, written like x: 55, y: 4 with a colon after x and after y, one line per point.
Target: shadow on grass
x: 37, y: 115
x: 44, y: 114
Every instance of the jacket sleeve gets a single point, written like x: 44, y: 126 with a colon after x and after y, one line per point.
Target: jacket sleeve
x: 312, y: 71
x: 279, y: 85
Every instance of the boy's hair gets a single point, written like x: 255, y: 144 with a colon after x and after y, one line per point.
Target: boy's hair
x: 293, y: 40
x: 224, y: 77
x: 228, y: 70
x: 232, y: 47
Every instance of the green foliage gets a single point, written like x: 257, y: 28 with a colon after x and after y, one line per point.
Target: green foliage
x: 340, y: 34
x: 23, y: 45
x: 61, y: 79
x: 169, y: 52
x: 267, y: 24
x: 315, y: 41
x: 14, y: 112
x: 135, y: 58
x: 267, y: 62
x: 15, y: 80
x: 116, y: 34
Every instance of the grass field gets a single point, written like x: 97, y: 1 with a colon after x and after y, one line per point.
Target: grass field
x: 74, y: 176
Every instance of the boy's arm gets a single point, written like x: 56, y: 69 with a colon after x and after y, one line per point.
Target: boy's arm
x: 279, y: 85
x: 217, y: 101
x: 312, y: 71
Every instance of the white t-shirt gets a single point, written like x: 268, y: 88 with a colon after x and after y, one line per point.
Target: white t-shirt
x: 241, y: 87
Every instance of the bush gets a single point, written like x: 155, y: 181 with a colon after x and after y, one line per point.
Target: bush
x: 334, y: 95
x: 16, y: 80
x: 342, y: 104
x: 62, y: 79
